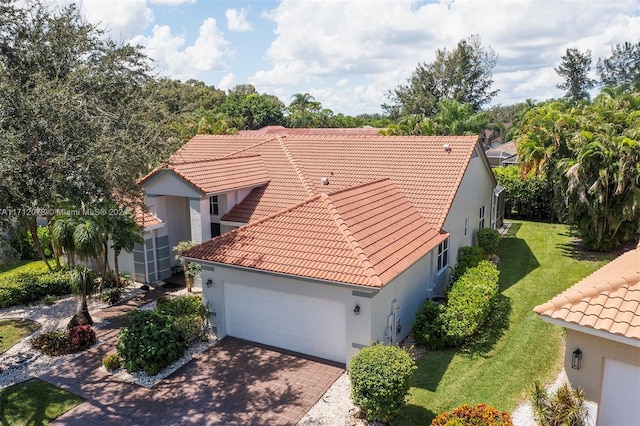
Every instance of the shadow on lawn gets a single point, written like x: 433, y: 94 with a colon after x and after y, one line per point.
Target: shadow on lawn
x: 516, y: 260
x: 491, y: 331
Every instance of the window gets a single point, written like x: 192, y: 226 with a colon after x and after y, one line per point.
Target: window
x: 214, y: 207
x: 215, y: 230
x: 466, y: 226
x: 443, y: 254
x: 481, y: 222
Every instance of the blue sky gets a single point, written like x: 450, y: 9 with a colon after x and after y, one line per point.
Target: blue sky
x: 348, y: 54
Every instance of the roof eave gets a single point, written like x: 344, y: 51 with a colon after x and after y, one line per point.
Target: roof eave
x: 591, y: 331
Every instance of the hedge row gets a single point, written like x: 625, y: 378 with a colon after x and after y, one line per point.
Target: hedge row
x: 28, y: 287
x: 469, y: 303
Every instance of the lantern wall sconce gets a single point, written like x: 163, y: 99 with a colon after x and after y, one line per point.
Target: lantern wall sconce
x: 209, y: 282
x: 576, y: 359
x: 356, y: 310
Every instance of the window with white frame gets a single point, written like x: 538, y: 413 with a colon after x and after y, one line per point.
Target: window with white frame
x: 481, y: 221
x: 443, y: 254
x: 466, y: 226
x: 214, y: 206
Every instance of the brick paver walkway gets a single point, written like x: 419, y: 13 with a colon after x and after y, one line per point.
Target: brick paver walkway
x: 233, y: 382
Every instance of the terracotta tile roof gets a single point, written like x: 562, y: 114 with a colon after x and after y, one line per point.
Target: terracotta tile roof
x: 220, y: 175
x: 146, y: 219
x: 503, y: 150
x: 280, y: 130
x: 607, y: 300
x: 206, y: 147
x: 365, y: 235
x: 428, y: 175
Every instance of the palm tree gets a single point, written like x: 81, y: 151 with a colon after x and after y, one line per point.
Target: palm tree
x: 62, y: 235
x: 190, y: 269
x: 87, y: 240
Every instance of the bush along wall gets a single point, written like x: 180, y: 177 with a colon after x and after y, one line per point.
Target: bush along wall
x: 29, y: 287
x: 469, y: 303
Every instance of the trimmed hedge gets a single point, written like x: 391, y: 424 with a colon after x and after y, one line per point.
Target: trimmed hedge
x: 468, y: 257
x: 380, y: 380
x: 488, y: 240
x: 470, y: 301
x: 480, y: 415
x: 28, y: 287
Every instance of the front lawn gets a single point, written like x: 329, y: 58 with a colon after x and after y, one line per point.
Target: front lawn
x: 14, y: 330
x: 34, y: 403
x: 538, y: 261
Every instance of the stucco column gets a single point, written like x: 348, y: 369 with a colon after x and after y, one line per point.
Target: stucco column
x: 200, y: 219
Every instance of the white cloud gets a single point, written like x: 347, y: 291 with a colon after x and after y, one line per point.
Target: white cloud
x: 237, y: 20
x: 318, y: 44
x: 227, y: 82
x: 123, y: 18
x: 180, y: 62
x: 173, y: 2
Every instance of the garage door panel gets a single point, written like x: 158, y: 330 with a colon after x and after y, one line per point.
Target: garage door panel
x: 619, y: 398
x: 299, y: 323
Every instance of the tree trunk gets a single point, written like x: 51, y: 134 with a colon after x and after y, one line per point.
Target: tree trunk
x: 82, y: 316
x: 33, y: 229
x: 116, y: 267
x: 57, y: 252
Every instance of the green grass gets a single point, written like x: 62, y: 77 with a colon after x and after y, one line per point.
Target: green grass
x: 19, y: 266
x: 14, y: 330
x: 538, y: 261
x: 34, y: 403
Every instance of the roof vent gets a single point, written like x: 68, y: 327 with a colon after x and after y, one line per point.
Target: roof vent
x: 324, y: 180
x: 446, y: 147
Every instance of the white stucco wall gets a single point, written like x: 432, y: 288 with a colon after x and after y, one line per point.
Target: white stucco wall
x: 476, y: 190
x: 167, y: 183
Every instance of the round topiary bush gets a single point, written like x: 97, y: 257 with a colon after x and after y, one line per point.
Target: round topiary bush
x: 149, y: 341
x: 488, y: 240
x: 380, y: 380
x: 480, y: 415
x: 112, y: 362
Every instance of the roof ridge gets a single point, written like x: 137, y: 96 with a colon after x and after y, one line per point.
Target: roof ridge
x: 367, y: 266
x: 303, y: 178
x: 267, y: 140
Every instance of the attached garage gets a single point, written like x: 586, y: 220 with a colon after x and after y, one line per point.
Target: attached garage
x: 619, y: 404
x: 299, y: 323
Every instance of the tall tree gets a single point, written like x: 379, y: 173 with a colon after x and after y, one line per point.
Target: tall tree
x: 574, y: 69
x: 464, y: 74
x: 245, y: 108
x: 78, y: 124
x: 622, y: 67
x: 87, y: 241
x: 303, y: 110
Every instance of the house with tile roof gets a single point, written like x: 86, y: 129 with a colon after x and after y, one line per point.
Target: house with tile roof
x: 318, y: 241
x: 601, y: 314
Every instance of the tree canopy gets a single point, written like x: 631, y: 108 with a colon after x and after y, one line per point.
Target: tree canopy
x: 622, y: 67
x: 574, y: 69
x: 463, y: 74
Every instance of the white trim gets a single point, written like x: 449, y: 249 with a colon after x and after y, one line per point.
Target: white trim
x: 592, y: 331
x: 239, y: 188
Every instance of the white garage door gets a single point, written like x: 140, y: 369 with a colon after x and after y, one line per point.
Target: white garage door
x: 299, y: 323
x: 620, y: 399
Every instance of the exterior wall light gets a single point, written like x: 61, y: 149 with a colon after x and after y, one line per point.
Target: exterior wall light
x: 356, y: 310
x: 209, y: 282
x: 576, y: 359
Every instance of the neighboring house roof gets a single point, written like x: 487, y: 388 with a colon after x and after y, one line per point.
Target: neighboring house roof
x: 206, y: 147
x: 607, y: 300
x: 218, y: 175
x: 505, y: 150
x: 365, y: 235
x: 280, y: 130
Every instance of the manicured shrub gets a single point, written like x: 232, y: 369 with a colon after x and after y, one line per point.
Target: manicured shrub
x: 56, y: 343
x: 380, y: 380
x: 112, y: 296
x: 149, y: 340
x: 480, y: 415
x: 468, y: 257
x: 488, y: 240
x: 182, y: 305
x: 82, y: 337
x: 112, y: 362
x: 428, y: 327
x: 189, y: 327
x: 28, y: 287
x: 470, y: 301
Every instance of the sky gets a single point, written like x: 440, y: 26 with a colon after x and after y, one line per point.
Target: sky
x: 349, y: 54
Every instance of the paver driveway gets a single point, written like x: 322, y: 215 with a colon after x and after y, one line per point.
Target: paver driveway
x: 233, y: 382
